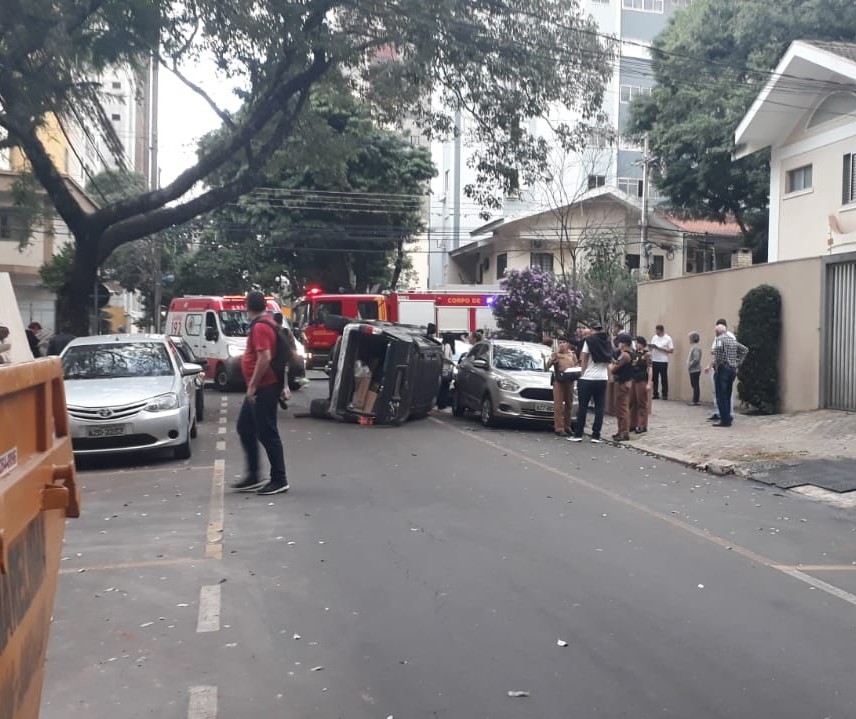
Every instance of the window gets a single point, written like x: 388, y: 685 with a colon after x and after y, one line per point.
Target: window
x: 115, y: 116
x: 682, y: 3
x: 655, y: 269
x: 848, y: 192
x: 629, y: 142
x: 798, y: 179
x: 628, y: 93
x: 631, y: 186
x: 542, y: 261
x: 596, y: 181
x: 643, y: 5
x: 599, y: 138
x: 5, y: 228
x: 193, y: 325
x: 501, y: 265
x: 367, y: 310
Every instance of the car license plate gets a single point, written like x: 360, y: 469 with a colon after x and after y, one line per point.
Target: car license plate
x: 109, y: 430
x: 543, y: 407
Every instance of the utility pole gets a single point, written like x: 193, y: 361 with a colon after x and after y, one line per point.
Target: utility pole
x: 645, y: 251
x: 154, y: 183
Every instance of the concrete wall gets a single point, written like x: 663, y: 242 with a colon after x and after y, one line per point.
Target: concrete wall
x: 694, y: 303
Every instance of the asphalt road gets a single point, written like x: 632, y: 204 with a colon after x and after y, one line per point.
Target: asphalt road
x: 431, y: 569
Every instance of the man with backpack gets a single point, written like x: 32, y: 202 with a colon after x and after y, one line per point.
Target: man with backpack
x: 263, y: 365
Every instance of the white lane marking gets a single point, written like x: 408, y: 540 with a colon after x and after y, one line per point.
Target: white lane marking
x: 677, y: 523
x: 223, y: 420
x: 222, y: 430
x: 209, y: 609
x: 214, y: 536
x: 819, y: 584
x: 203, y: 703
x: 221, y: 445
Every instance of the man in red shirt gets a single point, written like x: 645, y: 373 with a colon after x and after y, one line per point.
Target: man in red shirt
x: 257, y: 420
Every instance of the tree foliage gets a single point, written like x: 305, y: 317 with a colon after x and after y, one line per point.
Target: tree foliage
x: 533, y: 303
x: 503, y: 61
x: 607, y: 290
x: 760, y: 329
x: 709, y: 65
x: 342, y: 201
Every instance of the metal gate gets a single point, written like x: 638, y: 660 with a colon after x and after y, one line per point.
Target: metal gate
x: 838, y: 371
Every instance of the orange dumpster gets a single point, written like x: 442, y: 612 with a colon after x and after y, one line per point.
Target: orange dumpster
x: 37, y: 493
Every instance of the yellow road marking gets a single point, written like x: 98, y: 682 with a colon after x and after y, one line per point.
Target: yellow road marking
x: 796, y: 572
x: 131, y: 565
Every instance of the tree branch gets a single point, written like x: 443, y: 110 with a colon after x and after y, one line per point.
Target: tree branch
x: 222, y: 114
x: 222, y: 153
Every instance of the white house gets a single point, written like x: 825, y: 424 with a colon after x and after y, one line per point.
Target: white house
x: 806, y: 115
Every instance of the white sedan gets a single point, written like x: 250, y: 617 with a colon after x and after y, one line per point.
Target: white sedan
x: 129, y: 393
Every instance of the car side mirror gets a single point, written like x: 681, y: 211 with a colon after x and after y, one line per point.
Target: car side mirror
x: 480, y: 363
x: 188, y: 370
x: 211, y: 334
x: 203, y: 363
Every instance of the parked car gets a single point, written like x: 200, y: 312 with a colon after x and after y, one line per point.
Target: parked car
x: 129, y: 392
x: 505, y: 379
x: 189, y: 357
x: 381, y: 372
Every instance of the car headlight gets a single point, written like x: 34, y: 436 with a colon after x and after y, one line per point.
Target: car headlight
x: 235, y: 350
x: 505, y: 384
x: 162, y: 402
x: 300, y: 351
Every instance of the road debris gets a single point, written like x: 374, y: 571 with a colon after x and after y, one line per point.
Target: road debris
x: 516, y: 694
x: 561, y: 643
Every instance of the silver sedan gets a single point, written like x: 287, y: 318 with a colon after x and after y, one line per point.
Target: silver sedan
x: 505, y: 379
x: 129, y: 393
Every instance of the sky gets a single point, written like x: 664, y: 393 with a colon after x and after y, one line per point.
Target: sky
x: 184, y: 117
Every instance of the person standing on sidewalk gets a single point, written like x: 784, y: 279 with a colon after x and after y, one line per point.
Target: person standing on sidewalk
x: 709, y: 370
x: 621, y: 370
x: 727, y: 357
x: 257, y: 419
x: 594, y: 359
x: 694, y: 367
x: 563, y: 362
x: 640, y: 359
x: 661, y: 347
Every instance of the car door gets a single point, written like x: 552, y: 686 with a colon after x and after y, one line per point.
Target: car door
x: 480, y: 375
x: 472, y: 386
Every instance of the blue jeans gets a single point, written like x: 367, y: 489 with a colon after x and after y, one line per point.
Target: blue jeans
x: 724, y: 380
x: 257, y: 425
x: 586, y: 390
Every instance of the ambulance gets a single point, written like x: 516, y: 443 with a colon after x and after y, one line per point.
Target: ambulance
x: 216, y: 329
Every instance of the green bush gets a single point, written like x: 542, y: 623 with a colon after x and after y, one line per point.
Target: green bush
x: 760, y: 329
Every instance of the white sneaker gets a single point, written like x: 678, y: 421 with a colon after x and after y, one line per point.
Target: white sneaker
x: 575, y: 439
x: 596, y: 440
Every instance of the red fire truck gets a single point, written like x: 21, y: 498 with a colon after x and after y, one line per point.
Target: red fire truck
x: 449, y: 311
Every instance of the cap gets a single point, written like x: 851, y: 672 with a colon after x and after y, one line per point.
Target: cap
x: 596, y: 326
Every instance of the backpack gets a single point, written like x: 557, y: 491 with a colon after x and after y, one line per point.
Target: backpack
x: 282, y: 353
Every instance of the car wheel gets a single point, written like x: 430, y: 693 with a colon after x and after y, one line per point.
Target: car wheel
x: 221, y: 378
x: 318, y: 408
x: 458, y: 408
x: 487, y: 418
x: 183, y: 451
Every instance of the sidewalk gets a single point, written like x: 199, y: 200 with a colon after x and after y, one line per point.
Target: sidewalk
x: 754, y: 445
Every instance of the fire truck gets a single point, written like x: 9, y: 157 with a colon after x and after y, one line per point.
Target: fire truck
x: 449, y: 311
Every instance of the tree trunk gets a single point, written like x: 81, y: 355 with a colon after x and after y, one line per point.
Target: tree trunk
x: 75, y: 303
x: 399, y: 263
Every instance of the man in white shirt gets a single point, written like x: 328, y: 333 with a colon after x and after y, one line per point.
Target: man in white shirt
x: 661, y: 347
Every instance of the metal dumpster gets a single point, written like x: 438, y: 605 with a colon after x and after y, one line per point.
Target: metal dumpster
x: 37, y: 493
x: 382, y: 373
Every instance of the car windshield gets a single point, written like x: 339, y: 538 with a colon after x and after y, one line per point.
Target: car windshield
x: 518, y: 359
x: 137, y: 359
x: 235, y: 323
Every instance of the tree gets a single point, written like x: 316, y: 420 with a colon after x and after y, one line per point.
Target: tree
x: 342, y: 202
x: 533, y: 303
x: 503, y: 61
x: 760, y: 329
x: 709, y: 65
x: 607, y: 291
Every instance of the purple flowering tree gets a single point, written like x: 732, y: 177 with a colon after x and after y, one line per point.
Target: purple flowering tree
x: 533, y: 303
